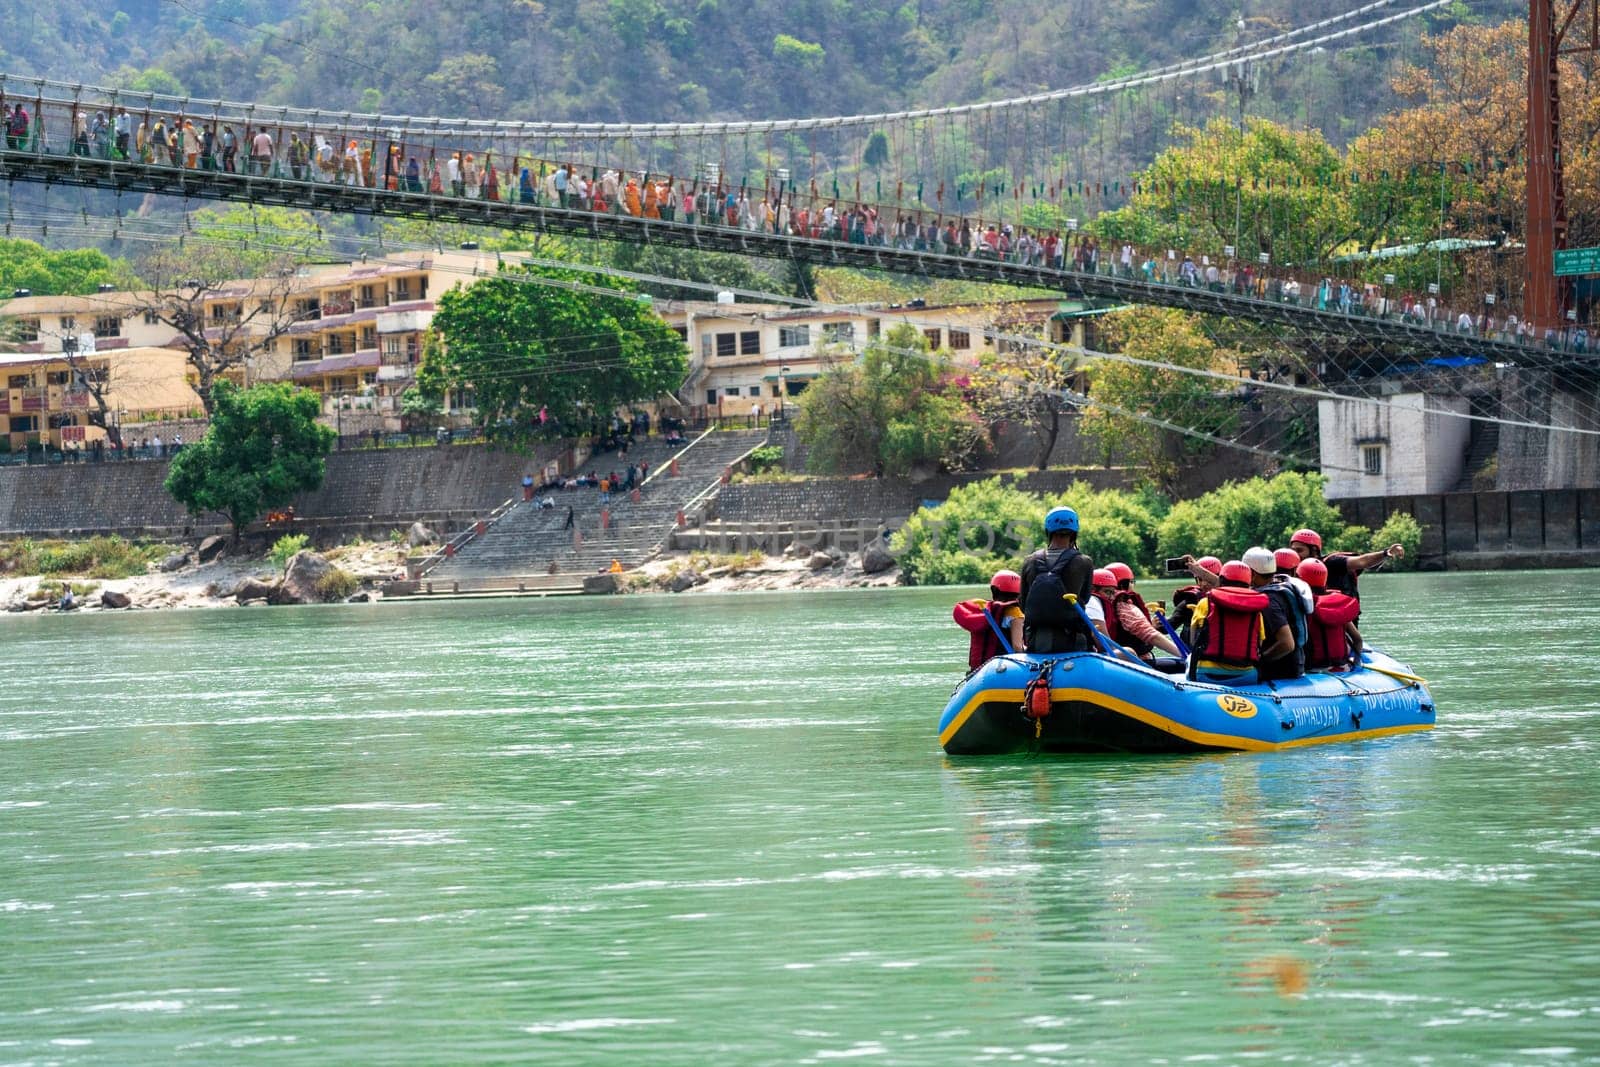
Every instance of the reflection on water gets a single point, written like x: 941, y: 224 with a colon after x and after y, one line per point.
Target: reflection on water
x: 608, y: 830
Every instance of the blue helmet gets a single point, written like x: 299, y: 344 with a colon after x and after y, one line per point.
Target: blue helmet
x: 1061, y: 519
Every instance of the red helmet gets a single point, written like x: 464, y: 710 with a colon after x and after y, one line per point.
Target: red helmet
x: 1313, y: 572
x: 1210, y: 563
x: 1234, y: 571
x: 1123, y: 572
x: 1006, y: 582
x: 1103, y: 577
x: 1288, y: 559
x: 1307, y: 537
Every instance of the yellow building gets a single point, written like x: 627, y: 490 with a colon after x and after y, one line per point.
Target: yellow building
x: 48, y: 398
x: 746, y: 354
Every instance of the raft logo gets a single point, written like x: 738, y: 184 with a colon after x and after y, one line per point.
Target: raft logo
x: 1237, y: 706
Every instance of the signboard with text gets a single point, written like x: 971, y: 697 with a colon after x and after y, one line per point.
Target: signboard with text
x: 1578, y: 261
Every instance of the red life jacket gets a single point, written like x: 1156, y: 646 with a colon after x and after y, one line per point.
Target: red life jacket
x: 1325, y: 641
x: 1231, y: 633
x: 974, y: 616
x: 1108, y: 602
x: 1114, y: 628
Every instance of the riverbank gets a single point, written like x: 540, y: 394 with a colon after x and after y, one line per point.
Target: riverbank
x: 234, y: 581
x: 180, y: 580
x: 699, y: 572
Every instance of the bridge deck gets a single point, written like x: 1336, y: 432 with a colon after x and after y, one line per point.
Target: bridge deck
x: 1404, y: 339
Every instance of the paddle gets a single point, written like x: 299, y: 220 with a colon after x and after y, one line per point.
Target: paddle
x: 1183, y: 649
x: 1105, y: 642
x: 1005, y: 644
x: 1401, y: 675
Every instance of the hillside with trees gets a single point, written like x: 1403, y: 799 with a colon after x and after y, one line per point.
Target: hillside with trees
x: 663, y: 60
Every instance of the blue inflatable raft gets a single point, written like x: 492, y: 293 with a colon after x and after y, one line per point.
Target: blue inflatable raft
x: 1100, y: 704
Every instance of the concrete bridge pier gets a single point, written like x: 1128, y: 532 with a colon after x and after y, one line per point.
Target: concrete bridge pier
x: 1549, y: 459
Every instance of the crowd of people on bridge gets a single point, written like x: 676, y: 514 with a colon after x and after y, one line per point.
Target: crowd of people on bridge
x: 1267, y: 616
x: 779, y: 209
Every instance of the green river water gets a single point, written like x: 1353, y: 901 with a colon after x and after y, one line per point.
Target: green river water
x: 720, y: 831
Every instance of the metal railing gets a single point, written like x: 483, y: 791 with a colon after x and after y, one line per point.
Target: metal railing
x: 51, y: 152
x: 450, y: 548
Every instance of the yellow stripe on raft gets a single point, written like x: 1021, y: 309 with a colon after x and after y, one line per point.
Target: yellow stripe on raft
x: 1161, y: 722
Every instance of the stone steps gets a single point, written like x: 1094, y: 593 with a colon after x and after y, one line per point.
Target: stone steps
x: 527, y: 540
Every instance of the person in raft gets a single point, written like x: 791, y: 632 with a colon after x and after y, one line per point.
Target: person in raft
x: 990, y: 620
x: 1237, y: 627
x: 1056, y: 587
x: 1343, y: 567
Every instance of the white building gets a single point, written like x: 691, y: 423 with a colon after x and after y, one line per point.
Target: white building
x: 1397, y: 446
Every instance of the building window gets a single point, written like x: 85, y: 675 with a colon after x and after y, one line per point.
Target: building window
x: 711, y: 397
x: 706, y: 341
x: 27, y: 329
x: 402, y: 289
x: 960, y: 340
x: 726, y: 344
x: 391, y: 350
x: 24, y: 424
x: 302, y: 349
x: 69, y: 324
x: 750, y: 343
x: 20, y: 381
x: 108, y: 326
x: 152, y: 318
x: 57, y: 377
x: 932, y: 337
x: 839, y: 331
x: 1372, y: 459
x: 794, y: 337
x: 369, y: 337
x: 682, y: 332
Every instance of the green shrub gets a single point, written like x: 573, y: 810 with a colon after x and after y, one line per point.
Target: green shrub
x: 1401, y: 528
x: 94, y: 557
x: 285, y: 547
x: 1259, y: 511
x: 987, y: 526
x: 337, y: 584
x: 766, y: 458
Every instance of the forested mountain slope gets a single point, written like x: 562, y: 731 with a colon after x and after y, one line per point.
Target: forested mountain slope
x: 648, y: 60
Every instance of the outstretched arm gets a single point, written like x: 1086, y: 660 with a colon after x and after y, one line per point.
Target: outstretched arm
x: 1368, y: 560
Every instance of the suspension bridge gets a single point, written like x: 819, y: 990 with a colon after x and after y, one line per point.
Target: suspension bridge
x: 964, y: 185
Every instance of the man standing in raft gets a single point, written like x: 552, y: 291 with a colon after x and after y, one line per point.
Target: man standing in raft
x: 1052, y: 574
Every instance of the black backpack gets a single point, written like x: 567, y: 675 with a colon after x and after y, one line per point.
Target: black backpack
x: 1047, y: 605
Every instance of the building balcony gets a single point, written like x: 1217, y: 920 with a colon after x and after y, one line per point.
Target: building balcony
x: 308, y: 370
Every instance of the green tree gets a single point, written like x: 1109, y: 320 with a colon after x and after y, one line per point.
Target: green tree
x: 889, y: 412
x: 263, y: 446
x: 1267, y: 189
x: 248, y: 241
x: 25, y: 265
x: 1129, y: 401
x: 525, y: 347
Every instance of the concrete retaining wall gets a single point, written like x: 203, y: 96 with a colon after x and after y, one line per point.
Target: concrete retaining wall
x: 1494, y: 531
x: 828, y: 499
x: 365, y: 490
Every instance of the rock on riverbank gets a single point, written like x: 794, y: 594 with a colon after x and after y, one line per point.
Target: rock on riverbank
x: 213, y: 584
x: 687, y: 572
